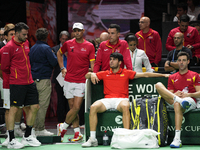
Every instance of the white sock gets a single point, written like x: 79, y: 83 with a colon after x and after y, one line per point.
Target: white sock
x: 177, y: 99
x: 17, y: 124
x: 65, y: 125
x: 177, y: 135
x: 93, y: 135
x: 77, y: 130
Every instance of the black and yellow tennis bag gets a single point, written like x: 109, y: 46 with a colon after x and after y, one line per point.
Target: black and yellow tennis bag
x: 150, y: 113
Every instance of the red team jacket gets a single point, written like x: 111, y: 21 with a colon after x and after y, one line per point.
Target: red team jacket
x: 15, y: 61
x: 191, y: 37
x: 151, y: 44
x: 104, y: 51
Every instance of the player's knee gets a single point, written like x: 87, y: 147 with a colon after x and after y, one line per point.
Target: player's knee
x: 125, y: 106
x: 158, y: 84
x: 35, y: 107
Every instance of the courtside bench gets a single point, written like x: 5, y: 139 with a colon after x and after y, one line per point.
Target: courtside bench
x: 138, y: 88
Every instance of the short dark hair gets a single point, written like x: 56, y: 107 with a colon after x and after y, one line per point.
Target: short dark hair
x: 184, y: 18
x: 19, y: 26
x: 131, y: 37
x: 117, y: 55
x: 41, y: 34
x: 183, y: 54
x: 116, y: 26
x: 195, y: 24
x: 182, y: 5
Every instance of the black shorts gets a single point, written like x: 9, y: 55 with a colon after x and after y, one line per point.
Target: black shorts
x: 23, y: 95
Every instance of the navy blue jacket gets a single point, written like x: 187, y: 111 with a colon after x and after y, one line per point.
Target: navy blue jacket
x: 42, y: 60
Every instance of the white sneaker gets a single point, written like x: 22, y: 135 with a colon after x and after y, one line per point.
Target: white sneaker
x: 90, y: 143
x: 5, y: 143
x: 31, y: 140
x: 33, y: 132
x: 43, y: 133
x: 14, y: 144
x: 176, y: 144
x: 61, y: 131
x: 18, y: 132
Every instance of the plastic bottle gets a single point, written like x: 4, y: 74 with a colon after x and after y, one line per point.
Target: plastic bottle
x: 105, y: 139
x: 185, y: 89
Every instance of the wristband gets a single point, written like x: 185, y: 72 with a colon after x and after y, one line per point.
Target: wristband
x: 169, y: 63
x: 62, y: 68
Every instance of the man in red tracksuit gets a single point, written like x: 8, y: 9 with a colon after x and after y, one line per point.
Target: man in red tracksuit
x: 23, y: 92
x: 191, y: 37
x: 149, y: 40
x: 114, y: 44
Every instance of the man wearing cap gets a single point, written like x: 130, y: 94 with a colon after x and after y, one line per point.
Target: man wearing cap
x: 80, y: 54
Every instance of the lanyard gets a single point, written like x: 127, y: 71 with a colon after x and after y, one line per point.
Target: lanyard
x: 135, y: 52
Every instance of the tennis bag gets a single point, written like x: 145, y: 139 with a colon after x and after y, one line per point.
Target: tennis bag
x: 150, y: 113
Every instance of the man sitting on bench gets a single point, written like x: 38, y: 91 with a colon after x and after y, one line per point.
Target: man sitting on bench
x: 183, y: 88
x: 116, y: 83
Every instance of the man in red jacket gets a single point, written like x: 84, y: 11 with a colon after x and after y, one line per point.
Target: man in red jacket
x: 191, y: 37
x: 114, y: 44
x: 149, y: 40
x: 23, y: 93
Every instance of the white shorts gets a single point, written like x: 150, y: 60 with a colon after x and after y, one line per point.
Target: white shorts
x: 112, y: 103
x: 1, y: 87
x: 191, y: 101
x: 73, y: 89
x: 6, y: 98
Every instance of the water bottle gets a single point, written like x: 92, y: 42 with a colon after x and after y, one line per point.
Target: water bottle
x: 105, y: 139
x: 186, y: 89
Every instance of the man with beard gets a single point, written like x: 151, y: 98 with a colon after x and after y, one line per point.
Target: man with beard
x: 171, y: 63
x: 183, y: 89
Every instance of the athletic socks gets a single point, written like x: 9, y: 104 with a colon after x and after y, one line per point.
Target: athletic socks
x: 93, y: 135
x: 77, y: 130
x: 17, y: 125
x: 177, y: 135
x: 11, y: 135
x: 65, y: 125
x: 28, y: 131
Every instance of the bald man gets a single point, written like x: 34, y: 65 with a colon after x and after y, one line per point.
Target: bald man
x: 149, y: 40
x: 104, y: 36
x: 171, y: 64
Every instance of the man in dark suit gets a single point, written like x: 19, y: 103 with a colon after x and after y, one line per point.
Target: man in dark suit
x: 62, y: 105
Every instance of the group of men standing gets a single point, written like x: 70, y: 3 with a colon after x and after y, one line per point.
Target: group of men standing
x: 29, y: 74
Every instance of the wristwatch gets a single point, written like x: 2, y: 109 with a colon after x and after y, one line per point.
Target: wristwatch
x: 62, y: 68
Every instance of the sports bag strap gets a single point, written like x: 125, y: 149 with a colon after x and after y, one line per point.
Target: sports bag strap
x: 147, y: 112
x: 158, y: 120
x: 137, y: 115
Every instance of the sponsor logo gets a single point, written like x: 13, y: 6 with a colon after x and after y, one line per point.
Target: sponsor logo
x: 175, y: 80
x: 150, y: 37
x: 83, y: 49
x: 72, y: 47
x: 5, y: 52
x: 118, y: 119
x: 15, y: 102
x: 105, y: 49
x: 17, y: 49
x: 26, y: 47
x: 188, y: 79
x: 121, y: 75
